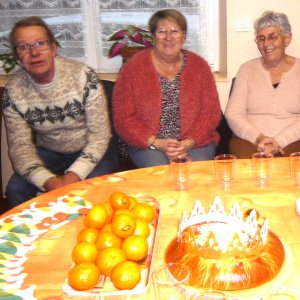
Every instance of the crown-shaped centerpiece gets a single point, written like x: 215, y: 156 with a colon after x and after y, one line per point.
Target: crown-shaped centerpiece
x: 216, y: 234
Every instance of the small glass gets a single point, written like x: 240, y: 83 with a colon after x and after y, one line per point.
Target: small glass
x: 209, y: 295
x: 180, y: 172
x: 170, y: 281
x: 225, y: 169
x: 295, y: 167
x: 282, y: 294
x: 262, y: 168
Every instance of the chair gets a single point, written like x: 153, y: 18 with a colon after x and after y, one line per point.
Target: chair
x: 3, y: 201
x: 125, y: 162
x: 224, y: 131
x: 225, y: 135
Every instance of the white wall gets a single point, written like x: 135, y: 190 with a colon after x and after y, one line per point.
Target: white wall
x: 240, y: 47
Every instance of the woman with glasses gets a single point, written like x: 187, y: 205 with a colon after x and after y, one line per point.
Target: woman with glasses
x: 55, y: 114
x: 165, y: 101
x: 263, y: 110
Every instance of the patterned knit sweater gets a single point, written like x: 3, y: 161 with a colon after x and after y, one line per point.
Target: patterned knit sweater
x: 137, y: 100
x: 67, y: 115
x: 255, y: 106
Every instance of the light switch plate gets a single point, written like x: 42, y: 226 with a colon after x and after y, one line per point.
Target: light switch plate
x: 242, y: 23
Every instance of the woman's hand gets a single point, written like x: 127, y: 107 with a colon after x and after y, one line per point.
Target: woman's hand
x: 173, y: 148
x: 188, y: 144
x: 170, y: 147
x: 268, y: 145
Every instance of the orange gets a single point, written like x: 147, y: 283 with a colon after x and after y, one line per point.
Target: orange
x: 126, y: 275
x: 123, y: 225
x: 107, y: 239
x: 83, y: 276
x: 125, y: 211
x: 109, y: 210
x: 108, y: 258
x: 144, y: 211
x: 84, y: 252
x: 132, y: 201
x: 135, y: 247
x: 142, y: 228
x: 96, y: 217
x: 106, y: 227
x: 87, y: 234
x: 119, y: 200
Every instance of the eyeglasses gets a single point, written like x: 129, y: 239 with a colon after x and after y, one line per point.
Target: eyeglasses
x: 272, y: 37
x: 162, y: 33
x: 38, y: 46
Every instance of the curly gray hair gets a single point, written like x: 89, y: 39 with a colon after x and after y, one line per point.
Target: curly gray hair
x: 271, y: 18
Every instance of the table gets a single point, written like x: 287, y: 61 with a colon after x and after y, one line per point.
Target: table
x: 36, y: 268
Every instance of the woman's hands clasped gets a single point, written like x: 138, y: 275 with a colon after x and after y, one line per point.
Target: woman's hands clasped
x: 173, y: 147
x: 268, y: 145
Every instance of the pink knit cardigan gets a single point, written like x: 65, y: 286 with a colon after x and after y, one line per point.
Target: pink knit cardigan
x: 137, y: 101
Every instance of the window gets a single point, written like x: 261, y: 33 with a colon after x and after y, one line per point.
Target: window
x: 83, y: 27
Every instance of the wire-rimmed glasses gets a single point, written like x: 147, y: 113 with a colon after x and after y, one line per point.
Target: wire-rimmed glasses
x: 272, y: 38
x: 38, y: 46
x: 162, y: 32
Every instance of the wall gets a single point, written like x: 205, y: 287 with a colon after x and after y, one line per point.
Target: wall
x: 237, y: 48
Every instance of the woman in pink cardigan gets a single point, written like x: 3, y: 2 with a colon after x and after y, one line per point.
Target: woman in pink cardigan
x: 263, y: 110
x: 165, y: 101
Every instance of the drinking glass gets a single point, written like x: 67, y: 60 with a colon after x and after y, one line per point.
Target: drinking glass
x: 180, y: 171
x: 225, y: 168
x: 295, y: 167
x: 281, y: 294
x: 170, y: 280
x: 262, y: 167
x: 209, y: 295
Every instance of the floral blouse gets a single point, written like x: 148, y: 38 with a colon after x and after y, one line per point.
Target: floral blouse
x: 170, y: 124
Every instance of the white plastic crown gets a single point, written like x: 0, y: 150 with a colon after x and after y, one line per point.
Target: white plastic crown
x: 223, y: 232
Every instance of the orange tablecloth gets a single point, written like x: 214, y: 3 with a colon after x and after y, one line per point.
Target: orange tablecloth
x: 43, y: 262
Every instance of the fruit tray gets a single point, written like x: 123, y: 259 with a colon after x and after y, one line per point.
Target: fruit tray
x: 105, y: 286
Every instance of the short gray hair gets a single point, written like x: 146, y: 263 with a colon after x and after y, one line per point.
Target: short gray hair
x: 271, y: 18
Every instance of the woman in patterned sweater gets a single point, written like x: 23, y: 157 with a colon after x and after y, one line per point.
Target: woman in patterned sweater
x: 165, y: 101
x: 55, y: 114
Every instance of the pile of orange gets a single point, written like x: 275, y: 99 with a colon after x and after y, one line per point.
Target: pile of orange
x: 112, y: 243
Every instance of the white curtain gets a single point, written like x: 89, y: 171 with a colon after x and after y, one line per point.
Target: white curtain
x: 82, y: 27
x: 115, y: 14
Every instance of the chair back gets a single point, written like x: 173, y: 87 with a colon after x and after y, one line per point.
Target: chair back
x: 4, y: 206
x: 1, y: 187
x: 224, y: 131
x: 125, y: 162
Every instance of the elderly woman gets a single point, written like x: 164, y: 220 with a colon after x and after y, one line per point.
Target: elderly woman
x: 165, y: 101
x: 264, y: 107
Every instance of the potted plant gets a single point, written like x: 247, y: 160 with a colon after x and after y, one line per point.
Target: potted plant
x: 9, y: 62
x: 130, y: 40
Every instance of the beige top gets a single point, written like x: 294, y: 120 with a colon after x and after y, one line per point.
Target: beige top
x: 256, y: 107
